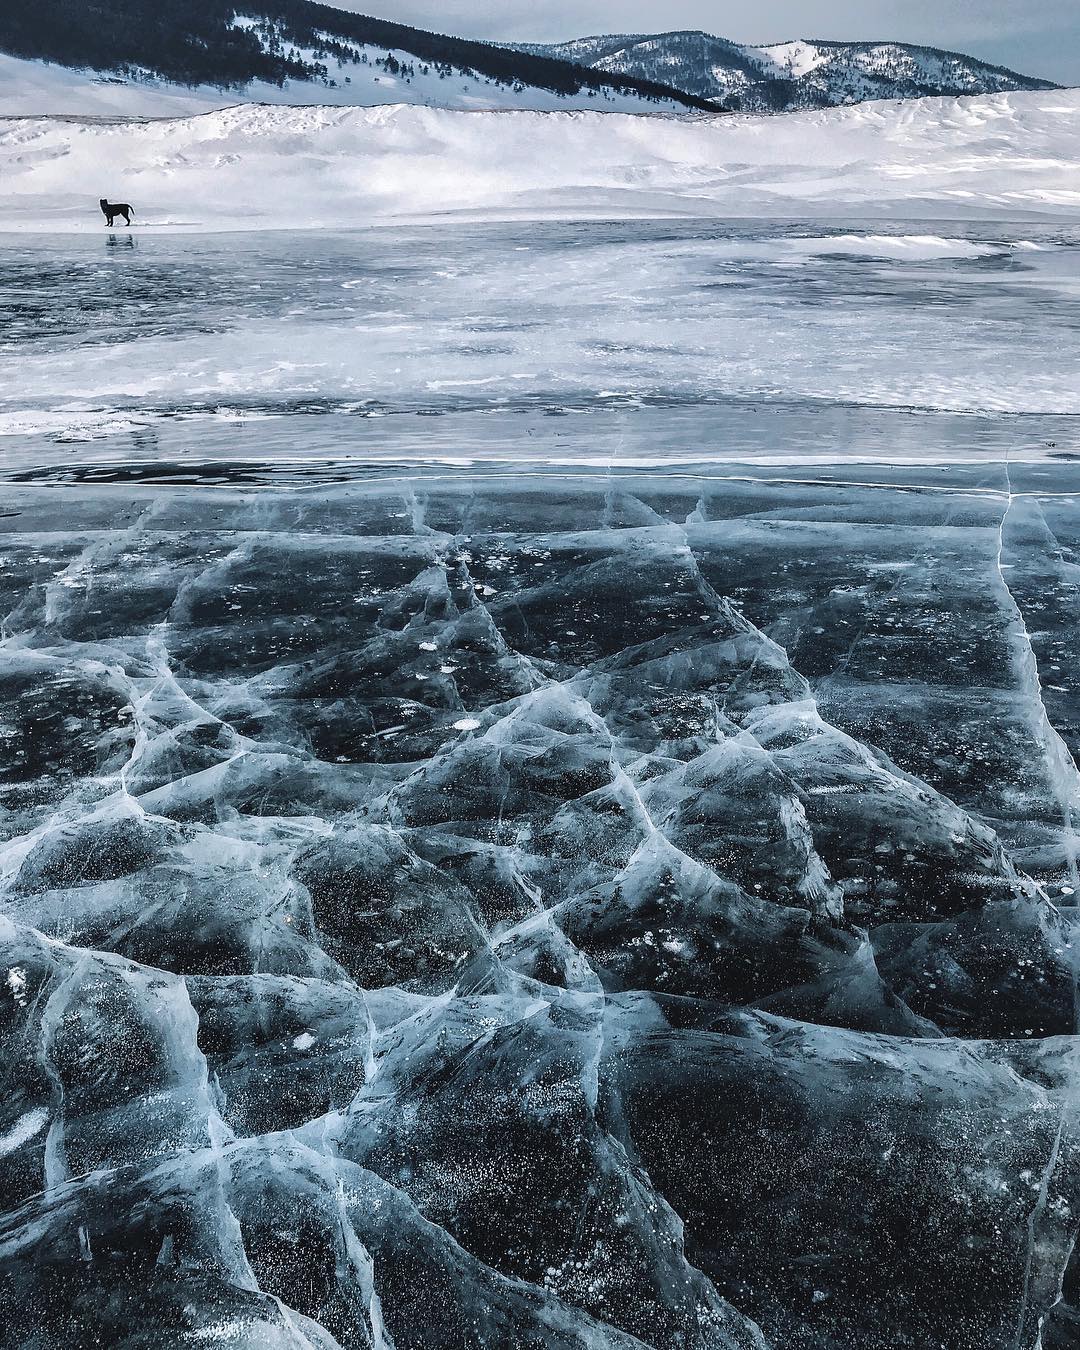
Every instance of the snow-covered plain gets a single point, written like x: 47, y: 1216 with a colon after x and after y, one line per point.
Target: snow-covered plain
x: 252, y: 166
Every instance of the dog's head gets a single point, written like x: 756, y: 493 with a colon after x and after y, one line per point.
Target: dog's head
x: 103, y: 202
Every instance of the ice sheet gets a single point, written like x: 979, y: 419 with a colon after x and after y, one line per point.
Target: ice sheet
x: 540, y: 316
x: 389, y: 871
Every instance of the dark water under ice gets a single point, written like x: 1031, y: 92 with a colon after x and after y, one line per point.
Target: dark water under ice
x: 567, y: 871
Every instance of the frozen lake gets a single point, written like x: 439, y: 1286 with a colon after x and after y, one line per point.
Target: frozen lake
x: 538, y: 786
x: 537, y: 317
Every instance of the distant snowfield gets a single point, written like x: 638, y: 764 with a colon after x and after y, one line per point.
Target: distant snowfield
x: 252, y: 166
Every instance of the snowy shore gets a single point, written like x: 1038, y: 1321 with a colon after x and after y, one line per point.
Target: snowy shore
x: 265, y: 167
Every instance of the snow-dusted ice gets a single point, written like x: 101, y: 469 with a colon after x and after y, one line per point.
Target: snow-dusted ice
x: 539, y: 315
x: 538, y: 787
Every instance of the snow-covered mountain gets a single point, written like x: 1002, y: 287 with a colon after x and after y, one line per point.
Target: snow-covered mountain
x: 788, y: 75
x: 155, y: 57
x: 377, y: 76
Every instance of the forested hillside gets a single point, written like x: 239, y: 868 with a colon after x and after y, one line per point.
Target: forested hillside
x: 197, y: 42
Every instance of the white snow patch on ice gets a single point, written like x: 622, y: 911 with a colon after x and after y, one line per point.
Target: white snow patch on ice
x: 16, y: 983
x: 910, y: 246
x: 23, y: 1130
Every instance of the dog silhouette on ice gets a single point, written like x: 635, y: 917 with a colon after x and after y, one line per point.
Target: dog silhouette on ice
x: 114, y: 209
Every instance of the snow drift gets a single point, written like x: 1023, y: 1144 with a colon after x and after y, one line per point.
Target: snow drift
x: 257, y: 166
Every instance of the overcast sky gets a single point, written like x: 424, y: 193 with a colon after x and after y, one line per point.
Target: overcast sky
x: 1038, y: 37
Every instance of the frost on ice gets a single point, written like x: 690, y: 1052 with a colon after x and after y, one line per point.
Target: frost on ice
x: 667, y: 962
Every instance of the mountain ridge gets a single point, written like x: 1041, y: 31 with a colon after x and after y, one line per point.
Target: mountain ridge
x: 801, y: 74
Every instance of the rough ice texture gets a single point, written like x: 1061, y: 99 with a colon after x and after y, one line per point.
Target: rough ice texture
x: 252, y: 166
x: 562, y: 914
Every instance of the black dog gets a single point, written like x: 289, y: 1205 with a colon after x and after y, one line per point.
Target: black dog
x: 114, y: 209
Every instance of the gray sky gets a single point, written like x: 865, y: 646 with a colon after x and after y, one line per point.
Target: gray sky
x: 1038, y: 37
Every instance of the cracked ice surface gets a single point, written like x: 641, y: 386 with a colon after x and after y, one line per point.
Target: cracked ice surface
x: 587, y: 912
x: 595, y: 867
